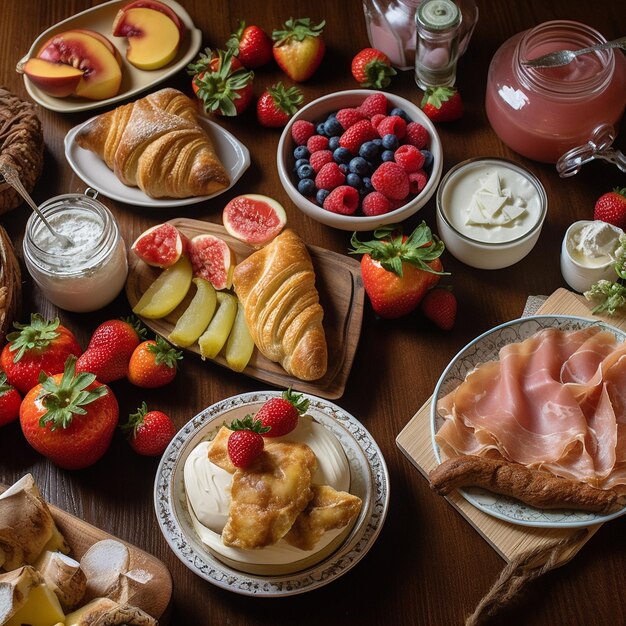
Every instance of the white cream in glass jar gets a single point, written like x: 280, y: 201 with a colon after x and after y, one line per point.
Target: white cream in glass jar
x: 88, y: 274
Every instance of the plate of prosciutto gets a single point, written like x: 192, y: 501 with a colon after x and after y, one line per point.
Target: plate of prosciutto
x: 528, y: 422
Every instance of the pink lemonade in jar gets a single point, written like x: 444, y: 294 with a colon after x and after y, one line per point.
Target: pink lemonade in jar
x: 541, y: 113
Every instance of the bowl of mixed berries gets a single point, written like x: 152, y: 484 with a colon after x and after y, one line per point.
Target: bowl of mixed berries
x: 359, y: 159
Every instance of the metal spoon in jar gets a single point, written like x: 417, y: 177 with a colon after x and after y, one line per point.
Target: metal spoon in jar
x: 563, y: 57
x: 10, y: 175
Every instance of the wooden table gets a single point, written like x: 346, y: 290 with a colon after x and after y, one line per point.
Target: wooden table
x: 428, y: 565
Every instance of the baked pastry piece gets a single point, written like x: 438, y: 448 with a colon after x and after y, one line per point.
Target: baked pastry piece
x: 157, y: 144
x: 276, y: 286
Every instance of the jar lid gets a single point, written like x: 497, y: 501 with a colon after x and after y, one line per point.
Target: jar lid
x: 438, y: 15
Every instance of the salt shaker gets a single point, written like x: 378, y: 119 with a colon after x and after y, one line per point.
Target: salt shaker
x: 437, y: 43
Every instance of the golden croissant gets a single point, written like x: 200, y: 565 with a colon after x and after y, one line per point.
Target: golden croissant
x: 276, y: 286
x: 157, y: 144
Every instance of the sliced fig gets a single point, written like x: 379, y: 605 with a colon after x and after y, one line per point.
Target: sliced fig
x: 212, y: 259
x: 254, y: 219
x: 161, y: 245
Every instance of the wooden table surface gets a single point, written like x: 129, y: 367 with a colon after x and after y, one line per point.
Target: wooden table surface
x: 428, y: 565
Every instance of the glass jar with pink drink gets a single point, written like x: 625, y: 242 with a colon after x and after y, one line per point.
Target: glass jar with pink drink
x: 542, y: 113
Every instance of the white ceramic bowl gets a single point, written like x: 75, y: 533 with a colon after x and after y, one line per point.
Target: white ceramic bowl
x: 317, y: 111
x: 489, y: 247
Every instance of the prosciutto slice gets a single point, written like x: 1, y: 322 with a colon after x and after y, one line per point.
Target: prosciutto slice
x: 556, y: 401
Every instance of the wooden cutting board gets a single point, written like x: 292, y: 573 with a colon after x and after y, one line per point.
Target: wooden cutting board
x: 509, y: 540
x: 338, y: 281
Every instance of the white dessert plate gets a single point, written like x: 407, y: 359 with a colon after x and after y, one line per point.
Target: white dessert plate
x: 369, y: 480
x: 87, y: 165
x: 134, y: 81
x: 485, y: 348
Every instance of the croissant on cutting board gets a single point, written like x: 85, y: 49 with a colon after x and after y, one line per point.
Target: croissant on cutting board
x: 276, y: 286
x: 157, y: 144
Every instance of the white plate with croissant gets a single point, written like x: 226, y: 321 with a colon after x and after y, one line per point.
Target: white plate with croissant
x: 303, y: 557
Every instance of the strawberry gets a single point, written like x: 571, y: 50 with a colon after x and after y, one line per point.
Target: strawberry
x: 153, y: 363
x: 10, y: 401
x: 442, y: 104
x: 343, y: 199
x: 397, y: 271
x: 391, y: 180
x: 277, y: 104
x: 245, y: 443
x: 611, y: 208
x: 439, y: 306
x: 70, y: 418
x: 299, y: 47
x: 221, y: 82
x: 149, y: 432
x: 251, y: 45
x: 372, y: 68
x: 39, y: 346
x: 356, y: 135
x: 110, y: 348
x: 374, y: 104
x: 280, y: 415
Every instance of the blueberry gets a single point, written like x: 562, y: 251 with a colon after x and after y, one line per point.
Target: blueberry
x: 400, y: 113
x: 306, y: 187
x: 390, y: 142
x: 320, y: 129
x: 333, y: 143
x: 343, y: 167
x: 332, y: 127
x: 300, y: 162
x: 378, y: 141
x: 428, y: 159
x: 305, y: 171
x: 354, y: 180
x: 368, y: 150
x: 342, y: 155
x: 358, y: 165
x: 321, y: 196
x: 367, y: 184
x: 387, y: 155
x: 301, y: 152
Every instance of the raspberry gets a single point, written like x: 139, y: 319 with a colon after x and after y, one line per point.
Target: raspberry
x: 320, y: 158
x: 356, y: 135
x: 391, y: 180
x: 376, y: 103
x: 329, y: 176
x: 392, y: 125
x: 417, y: 181
x: 349, y: 117
x: 317, y: 142
x: 374, y: 203
x: 417, y: 135
x: 409, y: 158
x: 343, y: 199
x: 301, y: 131
x: 376, y: 119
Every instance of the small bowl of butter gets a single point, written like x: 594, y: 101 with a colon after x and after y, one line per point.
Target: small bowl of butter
x: 588, y: 253
x: 490, y: 212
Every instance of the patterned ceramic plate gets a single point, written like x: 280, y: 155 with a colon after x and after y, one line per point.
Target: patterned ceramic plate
x: 486, y: 348
x: 369, y: 480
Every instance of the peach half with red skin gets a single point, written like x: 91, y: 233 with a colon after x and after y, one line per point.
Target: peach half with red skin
x: 101, y: 75
x: 55, y: 79
x: 104, y: 40
x: 155, y: 5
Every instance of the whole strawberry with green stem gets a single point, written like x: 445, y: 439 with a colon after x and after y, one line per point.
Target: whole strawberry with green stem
x: 281, y: 415
x: 153, y: 363
x: 251, y: 45
x: 110, y: 348
x: 149, y: 432
x: 10, y: 400
x: 299, y: 47
x: 372, y: 68
x: 277, y: 104
x: 397, y: 270
x: 611, y: 208
x: 42, y: 345
x: 442, y: 104
x: 245, y: 443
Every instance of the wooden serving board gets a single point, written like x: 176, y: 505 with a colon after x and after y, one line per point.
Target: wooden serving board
x: 509, y: 540
x: 338, y: 280
x: 81, y: 535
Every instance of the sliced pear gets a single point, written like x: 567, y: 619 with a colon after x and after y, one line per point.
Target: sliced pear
x: 240, y: 344
x: 215, y: 336
x: 167, y: 291
x: 195, y: 320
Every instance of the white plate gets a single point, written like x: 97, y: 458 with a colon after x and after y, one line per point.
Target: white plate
x: 87, y: 165
x: 134, y: 80
x: 369, y: 480
x: 485, y: 348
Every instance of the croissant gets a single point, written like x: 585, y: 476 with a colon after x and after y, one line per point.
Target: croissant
x: 276, y: 286
x: 157, y: 144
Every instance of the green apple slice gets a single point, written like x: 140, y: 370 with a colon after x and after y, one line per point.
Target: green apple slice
x: 215, y: 336
x: 240, y: 344
x: 196, y: 317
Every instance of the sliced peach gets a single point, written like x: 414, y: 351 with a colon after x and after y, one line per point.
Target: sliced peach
x: 102, y: 75
x: 153, y: 38
x: 55, y: 79
x: 107, y: 42
x: 154, y: 5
